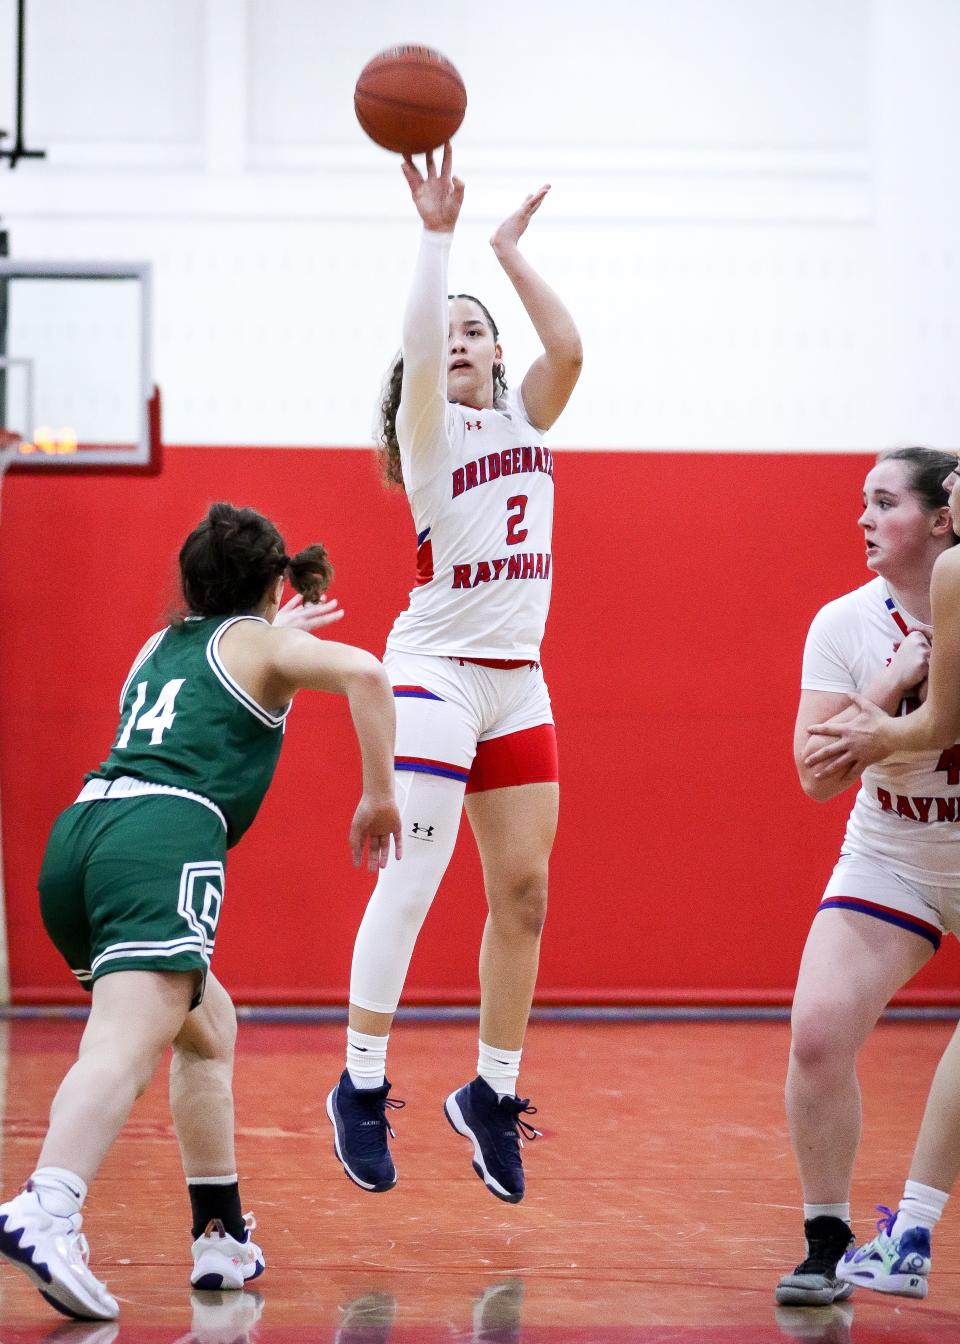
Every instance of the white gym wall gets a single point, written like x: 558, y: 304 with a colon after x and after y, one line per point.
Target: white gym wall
x: 754, y: 214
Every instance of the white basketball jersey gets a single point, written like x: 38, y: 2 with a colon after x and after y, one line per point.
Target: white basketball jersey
x: 908, y: 807
x: 484, y: 522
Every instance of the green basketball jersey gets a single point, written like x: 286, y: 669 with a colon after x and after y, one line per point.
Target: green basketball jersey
x: 186, y: 724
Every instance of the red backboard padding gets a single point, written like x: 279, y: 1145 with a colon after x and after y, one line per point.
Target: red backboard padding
x: 688, y: 862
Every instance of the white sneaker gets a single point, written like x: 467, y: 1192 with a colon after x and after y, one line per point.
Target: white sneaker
x: 53, y: 1253
x: 220, y: 1261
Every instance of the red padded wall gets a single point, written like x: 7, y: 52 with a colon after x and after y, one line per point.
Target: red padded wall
x: 688, y: 861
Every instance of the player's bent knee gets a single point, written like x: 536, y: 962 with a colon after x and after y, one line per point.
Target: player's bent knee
x: 210, y: 1031
x: 821, y: 1038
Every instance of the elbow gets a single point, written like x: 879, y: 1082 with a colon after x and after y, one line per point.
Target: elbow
x: 817, y: 789
x: 574, y: 356
x: 369, y: 670
x: 821, y: 790
x: 370, y: 677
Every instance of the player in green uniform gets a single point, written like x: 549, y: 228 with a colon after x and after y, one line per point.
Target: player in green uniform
x: 132, y: 886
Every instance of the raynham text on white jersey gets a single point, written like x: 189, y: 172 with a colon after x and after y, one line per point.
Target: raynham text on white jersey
x: 484, y: 524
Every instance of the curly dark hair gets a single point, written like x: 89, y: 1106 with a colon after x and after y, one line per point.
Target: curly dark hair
x: 388, y: 449
x: 230, y: 559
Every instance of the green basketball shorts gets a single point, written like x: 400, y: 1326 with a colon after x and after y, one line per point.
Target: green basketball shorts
x: 134, y: 884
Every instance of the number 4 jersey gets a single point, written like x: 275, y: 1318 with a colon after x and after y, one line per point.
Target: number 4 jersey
x: 186, y: 724
x: 908, y: 808
x: 484, y: 520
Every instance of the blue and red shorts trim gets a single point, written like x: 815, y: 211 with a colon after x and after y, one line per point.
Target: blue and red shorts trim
x: 515, y: 759
x: 890, y: 916
x: 422, y: 765
x: 414, y: 693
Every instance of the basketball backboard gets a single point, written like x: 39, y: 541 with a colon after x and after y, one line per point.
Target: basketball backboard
x: 76, y: 381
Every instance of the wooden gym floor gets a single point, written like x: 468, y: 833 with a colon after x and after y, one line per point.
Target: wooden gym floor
x: 661, y: 1205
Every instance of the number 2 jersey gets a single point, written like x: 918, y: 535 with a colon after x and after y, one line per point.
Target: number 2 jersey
x: 480, y: 487
x: 907, y: 811
x: 186, y: 724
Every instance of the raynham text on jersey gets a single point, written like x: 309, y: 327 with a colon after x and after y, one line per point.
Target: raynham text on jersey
x: 919, y: 809
x: 508, y: 462
x: 529, y: 565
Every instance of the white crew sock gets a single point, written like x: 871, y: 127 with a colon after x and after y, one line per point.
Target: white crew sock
x: 921, y: 1206
x: 841, y: 1211
x: 366, y: 1059
x: 60, y: 1192
x: 499, y: 1068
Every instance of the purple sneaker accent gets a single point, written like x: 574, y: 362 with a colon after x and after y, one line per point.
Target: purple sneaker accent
x: 888, y: 1264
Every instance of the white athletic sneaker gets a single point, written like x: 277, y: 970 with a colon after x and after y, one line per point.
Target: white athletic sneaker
x: 220, y: 1261
x: 53, y: 1253
x: 889, y: 1264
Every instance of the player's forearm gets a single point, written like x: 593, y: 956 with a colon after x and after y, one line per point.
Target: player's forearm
x: 426, y: 318
x: 426, y: 321
x: 551, y: 319
x: 370, y: 697
x: 885, y: 690
x: 820, y: 790
x: 932, y: 727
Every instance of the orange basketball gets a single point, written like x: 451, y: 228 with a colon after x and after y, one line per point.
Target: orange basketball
x: 410, y: 99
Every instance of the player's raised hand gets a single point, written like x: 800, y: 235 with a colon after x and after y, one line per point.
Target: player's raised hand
x: 514, y: 226
x: 374, y: 822
x: 860, y: 741
x: 299, y: 615
x: 437, y: 196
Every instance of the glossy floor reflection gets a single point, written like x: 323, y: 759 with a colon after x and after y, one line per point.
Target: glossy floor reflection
x: 661, y: 1206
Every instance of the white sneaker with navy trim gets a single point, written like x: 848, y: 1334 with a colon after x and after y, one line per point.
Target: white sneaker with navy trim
x: 53, y: 1253
x: 221, y: 1262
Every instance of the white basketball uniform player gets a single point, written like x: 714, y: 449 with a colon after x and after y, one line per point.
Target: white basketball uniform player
x: 900, y: 859
x: 464, y: 656
x: 473, y: 712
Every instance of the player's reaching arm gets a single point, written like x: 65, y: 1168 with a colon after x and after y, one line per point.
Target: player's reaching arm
x: 423, y: 401
x: 552, y: 377
x: 866, y: 736
x: 272, y: 665
x: 299, y: 662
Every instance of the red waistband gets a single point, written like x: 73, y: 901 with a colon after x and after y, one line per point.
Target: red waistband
x: 505, y: 664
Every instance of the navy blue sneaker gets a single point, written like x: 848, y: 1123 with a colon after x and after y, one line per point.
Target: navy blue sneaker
x: 360, y: 1128
x: 494, y: 1127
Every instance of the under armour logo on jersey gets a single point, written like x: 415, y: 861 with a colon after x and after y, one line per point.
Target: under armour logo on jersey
x: 472, y: 424
x: 422, y: 832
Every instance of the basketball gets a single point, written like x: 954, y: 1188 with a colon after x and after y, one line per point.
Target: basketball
x: 410, y: 99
